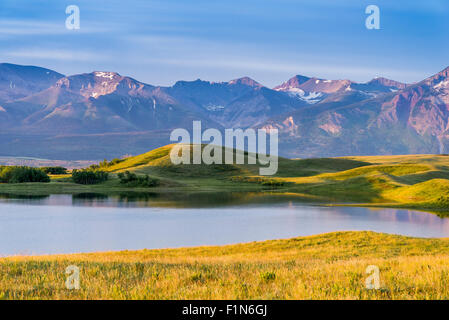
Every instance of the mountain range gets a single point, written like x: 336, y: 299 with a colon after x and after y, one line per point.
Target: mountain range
x: 104, y: 114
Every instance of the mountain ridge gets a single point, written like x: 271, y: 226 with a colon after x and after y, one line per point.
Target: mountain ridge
x: 315, y: 117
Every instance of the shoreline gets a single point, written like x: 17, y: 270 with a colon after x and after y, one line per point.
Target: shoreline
x: 113, y: 189
x: 326, y: 266
x: 221, y: 246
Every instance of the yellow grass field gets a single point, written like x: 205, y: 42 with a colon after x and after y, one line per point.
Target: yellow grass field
x: 328, y: 266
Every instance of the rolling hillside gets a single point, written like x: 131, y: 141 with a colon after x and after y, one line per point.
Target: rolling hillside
x: 411, y: 181
x: 416, y: 181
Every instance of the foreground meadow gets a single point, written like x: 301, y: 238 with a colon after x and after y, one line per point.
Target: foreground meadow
x: 328, y: 266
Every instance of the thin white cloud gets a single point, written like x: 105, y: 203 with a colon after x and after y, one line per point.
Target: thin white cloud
x: 35, y: 27
x: 190, y: 52
x: 47, y: 54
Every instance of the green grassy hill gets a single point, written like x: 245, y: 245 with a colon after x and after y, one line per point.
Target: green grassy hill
x: 411, y: 181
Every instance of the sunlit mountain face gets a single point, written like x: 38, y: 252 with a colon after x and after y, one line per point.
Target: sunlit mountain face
x: 406, y: 119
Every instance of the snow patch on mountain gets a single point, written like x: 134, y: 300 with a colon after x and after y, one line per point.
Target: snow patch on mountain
x: 442, y: 84
x: 309, y: 97
x: 109, y: 75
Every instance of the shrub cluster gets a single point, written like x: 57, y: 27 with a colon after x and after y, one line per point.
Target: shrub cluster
x: 133, y: 180
x: 105, y: 164
x: 16, y: 174
x: 89, y: 176
x: 55, y: 170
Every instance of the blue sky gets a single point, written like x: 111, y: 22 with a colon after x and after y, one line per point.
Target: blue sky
x: 160, y: 42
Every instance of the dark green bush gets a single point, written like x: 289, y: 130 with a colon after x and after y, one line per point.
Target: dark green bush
x: 15, y: 174
x: 133, y: 180
x: 89, y: 176
x: 54, y: 170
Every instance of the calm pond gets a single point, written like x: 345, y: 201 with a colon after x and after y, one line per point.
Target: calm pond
x: 93, y: 222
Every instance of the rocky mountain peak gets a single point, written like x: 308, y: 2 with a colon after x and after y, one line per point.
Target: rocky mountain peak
x: 98, y: 83
x: 247, y: 81
x: 387, y: 83
x: 294, y: 82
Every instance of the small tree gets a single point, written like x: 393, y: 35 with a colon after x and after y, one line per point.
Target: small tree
x: 15, y: 174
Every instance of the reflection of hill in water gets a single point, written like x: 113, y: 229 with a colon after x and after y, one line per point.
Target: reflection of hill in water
x: 25, y: 199
x: 248, y: 216
x: 227, y: 199
x: 152, y: 199
x: 22, y: 196
x: 179, y: 200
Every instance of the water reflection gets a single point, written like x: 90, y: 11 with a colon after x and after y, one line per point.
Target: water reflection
x: 152, y: 199
x: 89, y: 222
x: 10, y: 196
